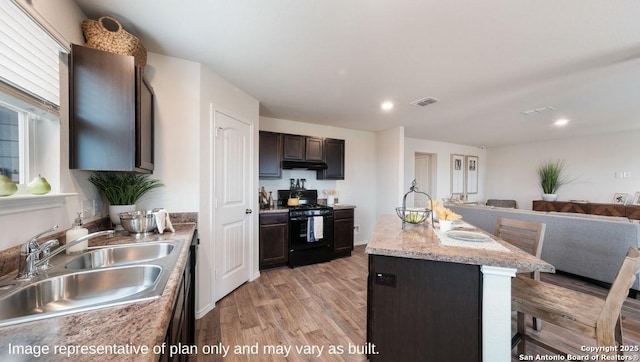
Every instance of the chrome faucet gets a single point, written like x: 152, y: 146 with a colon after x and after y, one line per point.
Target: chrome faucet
x: 30, y: 260
x: 66, y: 246
x: 30, y: 254
x: 45, y: 249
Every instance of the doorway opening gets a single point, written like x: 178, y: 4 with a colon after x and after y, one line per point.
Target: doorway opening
x: 425, y: 174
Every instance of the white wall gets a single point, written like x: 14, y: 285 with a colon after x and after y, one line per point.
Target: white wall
x: 358, y: 187
x: 443, y: 152
x: 511, y: 170
x: 391, y: 163
x: 176, y: 84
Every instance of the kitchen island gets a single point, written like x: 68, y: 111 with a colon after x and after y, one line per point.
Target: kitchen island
x: 136, y: 332
x: 429, y: 300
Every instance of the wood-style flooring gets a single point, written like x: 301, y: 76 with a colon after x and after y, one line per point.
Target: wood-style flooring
x: 325, y: 305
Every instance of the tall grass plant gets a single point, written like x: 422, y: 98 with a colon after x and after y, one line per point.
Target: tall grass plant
x: 123, y: 188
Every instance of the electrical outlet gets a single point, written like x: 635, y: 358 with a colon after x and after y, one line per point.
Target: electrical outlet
x: 97, y: 204
x: 356, y: 229
x: 87, y: 208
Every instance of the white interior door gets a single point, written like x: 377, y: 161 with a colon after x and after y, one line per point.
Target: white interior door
x: 423, y: 178
x: 232, y: 226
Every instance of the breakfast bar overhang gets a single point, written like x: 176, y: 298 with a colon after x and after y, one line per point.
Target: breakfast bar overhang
x: 429, y: 299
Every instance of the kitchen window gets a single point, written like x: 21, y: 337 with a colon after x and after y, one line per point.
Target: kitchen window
x: 29, y: 94
x: 24, y: 148
x: 12, y: 129
x: 29, y: 101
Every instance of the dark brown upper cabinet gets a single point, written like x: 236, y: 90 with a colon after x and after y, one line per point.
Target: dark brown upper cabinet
x: 302, y: 148
x: 314, y: 149
x: 334, y: 158
x: 270, y: 155
x: 111, y: 113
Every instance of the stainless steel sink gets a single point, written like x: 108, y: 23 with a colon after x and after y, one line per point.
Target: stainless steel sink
x: 101, y: 277
x: 121, y: 255
x: 74, y: 292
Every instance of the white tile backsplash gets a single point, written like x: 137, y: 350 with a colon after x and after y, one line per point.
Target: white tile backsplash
x: 311, y: 184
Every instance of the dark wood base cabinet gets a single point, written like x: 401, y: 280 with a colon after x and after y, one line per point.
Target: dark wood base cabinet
x: 342, y: 232
x: 420, y: 310
x: 182, y: 327
x: 274, y: 239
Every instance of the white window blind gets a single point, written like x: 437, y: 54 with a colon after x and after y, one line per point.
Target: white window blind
x: 28, y: 56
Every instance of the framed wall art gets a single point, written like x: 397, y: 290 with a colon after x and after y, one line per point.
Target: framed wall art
x: 457, y: 174
x: 620, y: 198
x: 471, y: 165
x: 636, y: 199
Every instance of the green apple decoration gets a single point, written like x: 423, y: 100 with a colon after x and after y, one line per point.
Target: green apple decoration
x: 38, y: 186
x: 7, y: 187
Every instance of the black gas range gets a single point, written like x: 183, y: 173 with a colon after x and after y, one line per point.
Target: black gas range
x: 310, y: 227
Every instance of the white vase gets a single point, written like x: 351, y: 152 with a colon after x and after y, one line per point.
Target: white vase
x: 549, y: 197
x: 114, y: 210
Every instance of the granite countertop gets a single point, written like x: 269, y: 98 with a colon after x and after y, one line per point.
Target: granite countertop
x: 276, y: 209
x: 125, y: 327
x: 343, y: 206
x: 421, y: 242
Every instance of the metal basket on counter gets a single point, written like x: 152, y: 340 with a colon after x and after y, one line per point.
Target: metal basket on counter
x: 414, y: 215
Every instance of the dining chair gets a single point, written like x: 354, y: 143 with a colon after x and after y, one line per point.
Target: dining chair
x: 528, y: 236
x: 578, y: 312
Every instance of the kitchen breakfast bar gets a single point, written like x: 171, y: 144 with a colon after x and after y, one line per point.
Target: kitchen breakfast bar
x: 433, y: 297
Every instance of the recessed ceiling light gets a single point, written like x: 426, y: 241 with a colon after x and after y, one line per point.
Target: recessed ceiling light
x: 561, y: 122
x: 387, y: 106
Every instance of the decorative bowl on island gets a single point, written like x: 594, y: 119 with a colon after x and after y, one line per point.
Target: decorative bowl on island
x: 413, y: 215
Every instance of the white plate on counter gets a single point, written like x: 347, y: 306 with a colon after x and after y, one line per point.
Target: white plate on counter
x: 467, y: 235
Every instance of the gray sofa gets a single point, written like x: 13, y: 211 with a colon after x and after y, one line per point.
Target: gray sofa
x: 591, y: 246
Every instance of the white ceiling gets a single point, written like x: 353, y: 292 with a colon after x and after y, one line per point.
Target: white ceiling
x: 333, y: 62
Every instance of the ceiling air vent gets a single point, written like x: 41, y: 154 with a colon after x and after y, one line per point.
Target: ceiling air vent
x: 425, y: 101
x: 538, y: 110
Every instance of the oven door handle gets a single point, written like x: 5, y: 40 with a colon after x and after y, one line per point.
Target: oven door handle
x: 306, y: 217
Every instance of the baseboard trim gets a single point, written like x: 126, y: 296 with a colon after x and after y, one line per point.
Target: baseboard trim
x: 203, y: 311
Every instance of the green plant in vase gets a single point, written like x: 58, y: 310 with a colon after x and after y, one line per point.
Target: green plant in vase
x: 551, y: 177
x: 122, y: 190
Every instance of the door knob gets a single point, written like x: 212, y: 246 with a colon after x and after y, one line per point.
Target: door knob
x: 248, y: 211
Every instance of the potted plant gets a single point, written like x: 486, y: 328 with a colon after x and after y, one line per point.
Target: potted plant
x: 122, y: 190
x: 550, y: 177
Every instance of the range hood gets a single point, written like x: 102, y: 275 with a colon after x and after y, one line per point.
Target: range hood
x: 305, y: 165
